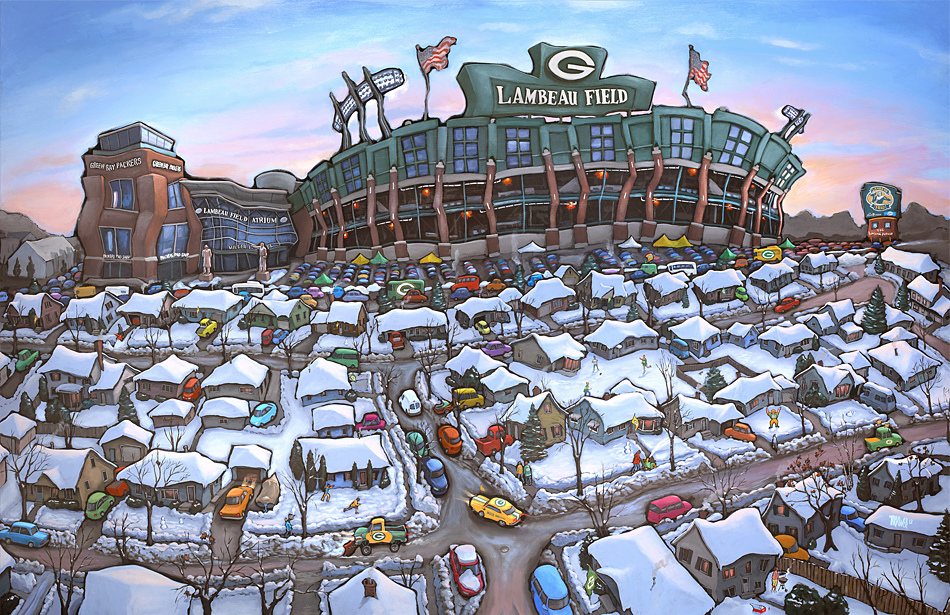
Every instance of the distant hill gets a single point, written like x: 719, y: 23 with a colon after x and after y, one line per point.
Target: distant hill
x: 916, y: 223
x: 17, y: 225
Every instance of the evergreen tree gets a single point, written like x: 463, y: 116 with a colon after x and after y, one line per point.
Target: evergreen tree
x: 715, y: 382
x: 834, y: 603
x: 355, y: 473
x: 369, y: 472
x: 384, y: 480
x: 939, y: 556
x: 87, y: 324
x: 30, y: 270
x: 814, y: 397
x: 297, y: 467
x: 895, y: 498
x: 588, y: 265
x: 16, y: 268
x: 802, y: 600
x: 879, y: 264
x: 437, y: 302
x: 518, y: 281
x: 33, y: 288
x: 633, y: 313
x: 532, y: 440
x: 43, y: 393
x: 385, y: 302
x: 686, y: 299
x: 311, y: 473
x: 31, y: 317
x: 902, y: 300
x: 322, y: 473
x: 803, y: 362
x: 815, y: 344
x: 863, y: 490
x: 874, y: 320
x: 26, y: 406
x: 54, y: 411
x: 127, y: 408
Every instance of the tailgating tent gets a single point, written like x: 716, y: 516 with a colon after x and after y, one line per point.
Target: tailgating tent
x: 666, y: 242
x: 322, y: 280
x: 787, y: 245
x: 631, y: 243
x: 531, y: 247
x: 379, y: 259
x: 430, y: 259
x: 727, y: 255
x: 360, y: 260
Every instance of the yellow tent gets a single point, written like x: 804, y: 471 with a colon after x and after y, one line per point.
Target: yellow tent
x: 430, y: 259
x: 666, y: 242
x: 360, y: 260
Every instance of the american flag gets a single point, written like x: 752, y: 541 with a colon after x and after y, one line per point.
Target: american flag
x: 698, y: 70
x: 435, y: 57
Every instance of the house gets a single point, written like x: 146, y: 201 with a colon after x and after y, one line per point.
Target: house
x: 904, y: 364
x: 249, y: 462
x: 858, y: 361
x: 699, y: 416
x: 156, y: 310
x: 474, y: 309
x: 818, y: 263
x: 69, y: 474
x: 502, y: 386
x: 619, y: 416
x: 69, y: 374
x: 772, y: 277
x: 165, y: 379
x: 133, y: 590
x: 718, y: 286
x: 835, y: 383
x: 614, y: 338
x: 42, y: 258
x: 6, y: 565
x: 32, y: 311
x: 549, y: 353
x: 792, y: 510
x: 601, y: 291
x: 664, y: 289
x: 751, y: 394
x: 372, y: 593
x: 125, y: 443
x: 850, y: 332
x: 930, y: 299
x: 241, y: 377
x: 16, y: 432
x: 625, y: 386
x: 172, y: 413
x: 99, y: 312
x: 699, y: 335
x: 722, y: 564
x: 568, y: 275
x: 547, y: 297
x: 916, y: 475
x: 115, y: 378
x: 172, y: 477
x: 893, y: 530
x: 909, y: 265
x: 468, y: 358
x: 785, y: 341
x: 225, y: 412
x: 742, y: 335
x: 415, y: 325
x: 821, y: 323
x: 792, y: 264
x: 7, y: 368
x: 4, y: 468
x: 323, y: 381
x: 347, y: 318
x: 334, y: 420
x: 900, y: 334
x: 341, y: 455
x: 842, y: 311
x: 630, y: 563
x: 288, y: 315
x: 219, y: 305
x: 549, y: 412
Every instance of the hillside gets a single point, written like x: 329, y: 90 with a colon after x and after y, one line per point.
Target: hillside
x: 18, y: 225
x: 916, y: 223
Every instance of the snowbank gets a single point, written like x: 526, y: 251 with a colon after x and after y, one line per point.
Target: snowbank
x: 723, y: 448
x: 847, y: 415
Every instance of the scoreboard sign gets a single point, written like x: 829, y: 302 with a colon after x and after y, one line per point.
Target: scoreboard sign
x: 880, y: 200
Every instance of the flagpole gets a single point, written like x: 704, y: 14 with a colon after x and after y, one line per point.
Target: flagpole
x: 425, y: 75
x: 686, y: 85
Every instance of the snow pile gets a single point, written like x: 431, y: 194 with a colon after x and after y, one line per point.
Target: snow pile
x: 420, y: 493
x: 168, y: 524
x: 847, y: 415
x: 59, y: 519
x: 557, y: 470
x: 790, y: 424
x: 445, y: 597
x: 850, y: 259
x: 158, y: 553
x: 790, y: 290
x: 725, y: 448
x: 749, y: 457
x: 273, y: 545
x: 800, y: 444
x: 576, y: 576
x: 507, y: 485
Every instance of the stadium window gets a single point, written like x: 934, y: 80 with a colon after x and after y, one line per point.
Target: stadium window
x: 122, y: 194
x: 737, y: 146
x: 465, y: 149
x: 517, y: 147
x: 174, y: 196
x: 601, y: 142
x: 681, y: 137
x: 785, y: 175
x: 351, y: 173
x: 415, y: 156
x: 323, y: 187
x: 116, y: 241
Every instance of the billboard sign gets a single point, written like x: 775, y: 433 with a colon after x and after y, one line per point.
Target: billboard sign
x: 880, y: 200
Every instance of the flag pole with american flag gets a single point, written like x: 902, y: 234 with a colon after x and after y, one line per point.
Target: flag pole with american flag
x: 698, y: 72
x: 433, y: 58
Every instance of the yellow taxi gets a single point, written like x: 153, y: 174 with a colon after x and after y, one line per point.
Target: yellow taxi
x: 496, y: 509
x: 791, y: 548
x: 309, y: 300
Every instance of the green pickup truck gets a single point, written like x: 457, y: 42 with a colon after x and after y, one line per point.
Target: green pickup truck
x: 884, y: 438
x: 378, y: 533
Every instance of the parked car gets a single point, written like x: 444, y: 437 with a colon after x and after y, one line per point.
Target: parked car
x: 850, y: 516
x: 25, y: 358
x: 417, y: 444
x: 495, y: 286
x: 450, y: 440
x: 669, y: 507
x: 192, y: 390
x: 207, y: 327
x: 433, y: 470
x: 466, y: 568
x: 98, y: 505
x: 740, y: 431
x: 467, y: 398
x: 741, y: 293
x: 346, y: 356
x: 460, y: 293
x: 278, y: 336
x: 397, y: 341
x: 414, y: 296
x: 267, y: 336
x: 496, y: 509
x: 409, y: 402
x: 549, y: 592
x: 354, y: 295
x: 118, y: 488
x: 236, y: 501
x: 790, y: 548
x: 25, y: 533
x: 496, y: 349
x: 482, y: 327
x: 786, y: 304
x: 263, y: 413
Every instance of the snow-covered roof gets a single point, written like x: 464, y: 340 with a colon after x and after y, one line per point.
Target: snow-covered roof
x: 696, y: 329
x: 6, y: 560
x: 897, y: 334
x: 275, y: 295
x: 249, y: 456
x: 909, y: 468
x: 156, y: 467
x: 786, y: 336
x: 647, y: 574
x: 546, y: 290
x: 824, y: 320
x: 856, y: 359
x: 621, y: 409
x: 745, y: 389
x: 172, y: 370
x: 279, y: 307
x: 479, y: 305
x: 820, y: 259
x: 602, y: 285
x: 531, y: 248
x: 692, y: 408
x: 16, y: 426
x: 470, y: 357
x: 665, y: 283
x: 848, y: 328
x: 921, y: 262
x: 518, y: 411
x: 391, y: 597
x: 715, y: 279
x: 225, y: 407
x: 896, y: 519
x: 924, y: 287
x: 110, y: 376
x: 501, y: 379
x: 833, y: 376
x: 902, y: 358
x: 333, y: 415
x: 239, y: 370
x: 791, y: 262
x: 127, y: 429
x: 625, y: 386
x: 342, y: 453
x: 132, y: 590
x: 178, y: 408
x: 322, y: 375
x: 721, y: 537
x: 24, y: 303
x: 70, y: 362
x: 739, y: 329
x: 558, y: 346
x: 63, y: 466
x: 840, y: 309
x: 941, y: 306
x: 399, y: 319
x: 319, y: 318
x: 346, y: 312
x: 771, y: 271
x: 564, y: 270
x: 5, y: 360
x: 612, y: 333
x: 510, y: 294
x: 222, y: 300
x: 89, y: 306
x: 806, y: 493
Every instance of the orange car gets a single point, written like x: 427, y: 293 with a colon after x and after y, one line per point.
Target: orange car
x: 495, y: 286
x: 192, y: 390
x: 450, y: 440
x: 741, y: 262
x: 235, y: 504
x: 740, y: 431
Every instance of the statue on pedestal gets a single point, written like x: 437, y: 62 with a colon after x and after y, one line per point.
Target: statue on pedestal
x: 206, y: 260
x: 262, y: 253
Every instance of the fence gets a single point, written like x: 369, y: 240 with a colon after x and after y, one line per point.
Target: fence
x: 57, y: 429
x: 681, y: 370
x: 883, y: 599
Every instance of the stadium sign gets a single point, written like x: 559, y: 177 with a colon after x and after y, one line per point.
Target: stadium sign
x: 564, y: 81
x: 880, y: 200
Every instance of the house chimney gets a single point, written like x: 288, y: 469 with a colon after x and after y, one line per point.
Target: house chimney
x: 821, y: 363
x: 99, y: 354
x: 699, y: 395
x: 895, y: 351
x: 369, y: 588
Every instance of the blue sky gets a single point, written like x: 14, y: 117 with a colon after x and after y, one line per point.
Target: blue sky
x: 242, y: 85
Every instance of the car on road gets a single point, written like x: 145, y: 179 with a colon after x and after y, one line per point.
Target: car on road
x: 347, y: 357
x: 450, y: 439
x: 263, y: 413
x: 207, y: 327
x: 25, y: 533
x: 786, y: 304
x: 118, y: 488
x: 409, y: 402
x: 98, y: 505
x: 496, y: 509
x: 460, y: 293
x: 235, y: 503
x: 354, y: 295
x: 417, y: 444
x: 741, y: 293
x: 467, y: 571
x: 790, y: 548
x: 740, y: 431
x: 414, y: 296
x: 850, y: 516
x: 883, y: 438
x: 482, y: 327
x: 669, y: 507
x: 495, y: 286
x: 549, y: 592
x: 433, y: 470
x: 496, y: 349
x: 25, y: 358
x: 278, y: 336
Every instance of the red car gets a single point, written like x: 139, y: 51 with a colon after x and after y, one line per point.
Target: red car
x: 414, y: 296
x: 267, y: 336
x: 669, y: 507
x: 467, y: 569
x: 786, y: 304
x: 118, y: 488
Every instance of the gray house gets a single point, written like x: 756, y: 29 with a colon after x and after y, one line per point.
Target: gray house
x: 549, y: 353
x: 225, y: 413
x: 792, y: 512
x: 752, y: 394
x: 608, y: 419
x: 150, y: 310
x: 835, y: 383
x: 718, y: 286
x: 218, y: 305
x: 904, y: 364
x: 786, y: 341
x: 915, y: 474
x: 893, y: 530
x: 341, y: 454
x: 165, y: 379
x: 241, y: 377
x: 664, y: 289
x: 125, y: 443
x: 548, y: 296
x: 98, y: 311
x: 741, y: 334
x: 614, y: 339
x: 322, y: 381
x: 115, y: 378
x: 473, y: 309
x: 699, y: 335
x: 700, y: 416
x: 818, y: 263
x: 249, y: 461
x: 502, y: 386
x: 772, y: 277
x: 334, y: 420
x: 69, y: 374
x: 195, y: 478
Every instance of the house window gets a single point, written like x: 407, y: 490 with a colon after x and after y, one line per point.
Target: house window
x: 729, y: 573
x: 517, y: 147
x: 223, y: 421
x: 547, y: 408
x: 681, y: 137
x: 842, y: 390
x: 556, y: 431
x: 763, y: 565
x: 572, y: 364
x: 601, y: 142
x: 748, y: 566
x: 351, y: 173
x: 730, y: 592
x: 686, y: 555
x: 415, y: 156
x: 878, y: 533
x: 86, y: 483
x: 876, y: 482
x: 538, y: 360
x: 92, y: 461
x: 55, y: 377
x: 557, y: 303
x: 780, y: 510
x: 887, y: 484
x: 170, y: 494
x: 919, y: 542
x: 465, y: 152
x: 104, y: 476
x: 704, y: 566
x: 246, y: 389
x: 122, y: 194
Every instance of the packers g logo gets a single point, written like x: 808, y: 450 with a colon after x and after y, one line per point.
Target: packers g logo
x: 879, y: 198
x: 571, y: 71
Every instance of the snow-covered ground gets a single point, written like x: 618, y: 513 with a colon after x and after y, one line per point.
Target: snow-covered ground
x: 676, y: 309
x: 789, y: 424
x: 943, y: 333
x: 59, y: 519
x: 825, y: 280
x: 557, y: 470
x: 565, y: 317
x: 723, y: 447
x: 168, y: 525
x: 97, y: 416
x: 182, y: 336
x: 30, y: 385
x: 478, y: 420
x: 658, y: 447
x: 940, y: 447
x: 847, y: 414
x: 855, y: 607
x: 936, y: 503
x: 789, y: 290
x: 756, y: 359
x: 27, y: 335
x: 729, y: 373
x: 69, y: 336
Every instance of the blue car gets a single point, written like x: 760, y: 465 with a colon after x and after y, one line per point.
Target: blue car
x: 679, y: 348
x: 279, y: 335
x: 294, y: 292
x: 850, y: 516
x: 434, y: 473
x: 24, y: 533
x: 549, y: 592
x: 461, y: 293
x: 338, y: 292
x: 263, y: 413
x: 4, y: 296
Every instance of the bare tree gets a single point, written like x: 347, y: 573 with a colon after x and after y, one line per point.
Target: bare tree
x: 152, y: 474
x: 919, y: 472
x: 120, y: 527
x: 816, y: 490
x: 66, y: 565
x: 372, y: 328
x: 257, y: 577
x: 301, y: 494
x: 387, y: 377
x: 903, y: 581
x: 74, y: 329
x: 849, y: 450
x: 599, y: 502
x: 452, y: 332
x: 428, y: 358
x: 835, y: 286
x: 407, y: 571
x: 152, y: 335
x: 517, y: 312
x: 927, y: 385
x: 673, y: 416
x: 225, y: 333
x: 25, y: 468
x: 68, y: 427
x: 577, y: 436
x: 864, y: 566
x: 215, y: 572
x: 723, y: 484
x: 175, y: 435
x: 286, y: 345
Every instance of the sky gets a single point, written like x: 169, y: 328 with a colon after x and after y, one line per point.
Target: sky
x: 242, y: 85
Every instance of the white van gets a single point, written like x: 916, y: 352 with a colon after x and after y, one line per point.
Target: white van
x: 409, y: 402
x: 252, y: 288
x: 880, y: 398
x: 687, y: 267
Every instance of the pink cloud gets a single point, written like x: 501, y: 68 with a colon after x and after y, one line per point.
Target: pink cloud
x: 53, y: 205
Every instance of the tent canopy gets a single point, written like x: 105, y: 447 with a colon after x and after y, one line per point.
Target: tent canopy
x: 430, y: 259
x: 631, y: 243
x: 727, y: 255
x: 322, y: 280
x: 531, y: 247
x: 786, y: 245
x: 360, y: 260
x: 666, y: 242
x: 378, y: 258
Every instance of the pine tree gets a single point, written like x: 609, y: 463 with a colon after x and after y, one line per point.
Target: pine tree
x: 879, y: 264
x: 814, y: 398
x: 54, y: 411
x: 322, y: 473
x: 355, y: 473
x: 686, y: 299
x: 43, y: 393
x: 902, y: 301
x: 863, y: 490
x: 127, y: 408
x: 939, y: 556
x: 532, y: 440
x: 26, y: 406
x: 311, y: 473
x: 384, y: 480
x: 518, y: 281
x: 802, y: 600
x: 588, y: 265
x: 369, y: 472
x: 714, y: 383
x: 437, y: 302
x: 385, y: 302
x: 834, y: 603
x: 16, y: 268
x: 874, y: 320
x: 633, y: 313
x: 803, y: 362
x: 297, y: 467
x: 33, y: 288
x: 30, y: 270
x: 895, y: 498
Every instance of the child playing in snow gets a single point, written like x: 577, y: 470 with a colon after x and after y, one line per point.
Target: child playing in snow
x: 326, y: 494
x: 520, y: 471
x: 527, y: 475
x: 594, y: 365
x: 586, y: 388
x: 354, y: 505
x: 773, y: 413
x: 637, y: 462
x: 288, y: 528
x: 645, y: 364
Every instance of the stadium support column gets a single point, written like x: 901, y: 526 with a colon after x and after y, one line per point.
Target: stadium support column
x: 552, y: 239
x: 340, y: 253
x: 648, y: 228
x: 494, y: 248
x: 695, y: 232
x: 580, y: 228
x: 402, y: 250
x: 620, y: 223
x: 371, y: 211
x: 322, y: 250
x: 737, y: 234
x: 445, y: 248
x: 756, y: 235
x: 303, y: 226
x: 781, y: 214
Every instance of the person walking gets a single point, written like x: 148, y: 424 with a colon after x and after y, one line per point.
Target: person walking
x: 528, y: 479
x: 586, y: 388
x: 645, y: 364
x: 637, y: 462
x: 288, y: 528
x: 520, y: 471
x: 594, y: 365
x: 774, y: 442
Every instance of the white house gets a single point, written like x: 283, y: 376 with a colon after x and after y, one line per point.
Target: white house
x: 614, y: 339
x: 742, y: 335
x: 468, y: 358
x: 323, y: 381
x: 904, y: 364
x: 701, y: 336
x: 858, y: 361
x: 49, y: 256
x: 218, y: 305
x: 342, y: 454
x: 165, y: 379
x: 785, y: 341
x: 751, y: 394
x: 625, y: 386
x: 334, y: 420
x: 372, y: 593
x: 547, y: 296
x: 100, y: 311
x: 900, y: 334
x: 909, y: 265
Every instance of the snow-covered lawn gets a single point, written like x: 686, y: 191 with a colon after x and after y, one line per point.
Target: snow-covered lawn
x: 847, y: 414
x: 30, y: 385
x: 825, y: 280
x: 168, y: 525
x: 59, y: 519
x: 676, y: 309
x: 478, y: 420
x: 743, y: 606
x: 724, y: 447
x: 789, y: 424
x: 943, y: 333
x: 27, y: 335
x: 177, y: 438
x: 940, y: 447
x: 557, y: 470
x: 328, y: 342
x: 756, y: 359
x: 790, y: 290
x: 855, y: 607
x: 183, y: 336
x: 933, y: 503
x: 658, y: 447
x: 97, y: 416
x: 70, y: 335
x: 565, y: 317
x: 906, y: 399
